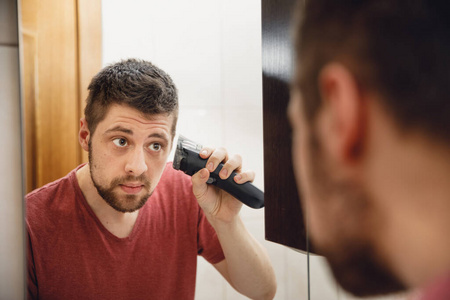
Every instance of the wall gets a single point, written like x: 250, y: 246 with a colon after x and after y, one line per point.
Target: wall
x: 212, y: 50
x: 11, y: 208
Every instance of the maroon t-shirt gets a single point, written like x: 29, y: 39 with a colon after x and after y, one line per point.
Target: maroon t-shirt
x: 439, y: 289
x: 71, y: 255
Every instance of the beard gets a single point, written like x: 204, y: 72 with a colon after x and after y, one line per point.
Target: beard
x: 358, y: 270
x: 127, y: 203
x: 350, y: 254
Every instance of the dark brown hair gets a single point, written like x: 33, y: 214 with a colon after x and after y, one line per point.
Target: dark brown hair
x: 136, y: 83
x: 398, y: 49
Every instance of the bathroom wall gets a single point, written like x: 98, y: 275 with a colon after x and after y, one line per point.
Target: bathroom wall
x: 11, y: 204
x: 212, y: 50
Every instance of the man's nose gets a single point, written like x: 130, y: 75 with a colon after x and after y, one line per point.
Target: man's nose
x: 136, y: 164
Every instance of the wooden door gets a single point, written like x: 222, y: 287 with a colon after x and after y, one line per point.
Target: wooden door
x: 284, y: 220
x: 61, y: 51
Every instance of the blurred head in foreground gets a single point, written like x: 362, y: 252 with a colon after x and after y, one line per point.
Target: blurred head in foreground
x: 370, y: 112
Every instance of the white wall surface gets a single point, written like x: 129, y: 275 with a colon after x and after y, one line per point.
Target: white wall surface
x: 212, y: 50
x: 12, y: 263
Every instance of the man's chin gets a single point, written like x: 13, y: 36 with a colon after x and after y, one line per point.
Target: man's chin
x: 125, y: 203
x: 358, y: 272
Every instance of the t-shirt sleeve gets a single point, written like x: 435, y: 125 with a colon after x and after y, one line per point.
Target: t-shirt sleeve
x: 208, y: 242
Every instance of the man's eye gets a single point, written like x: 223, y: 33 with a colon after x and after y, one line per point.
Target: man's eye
x: 121, y: 142
x: 155, y: 146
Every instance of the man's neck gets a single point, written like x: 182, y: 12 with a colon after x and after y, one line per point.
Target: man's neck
x: 118, y: 223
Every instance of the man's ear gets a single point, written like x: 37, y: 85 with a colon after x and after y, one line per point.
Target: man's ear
x: 84, y: 135
x: 342, y: 123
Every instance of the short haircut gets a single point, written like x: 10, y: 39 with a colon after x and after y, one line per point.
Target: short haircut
x: 136, y: 83
x: 397, y: 49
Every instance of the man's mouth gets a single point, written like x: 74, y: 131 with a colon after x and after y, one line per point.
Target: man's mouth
x: 131, y: 188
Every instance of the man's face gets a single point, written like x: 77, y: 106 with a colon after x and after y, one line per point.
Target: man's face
x: 338, y: 209
x: 127, y: 155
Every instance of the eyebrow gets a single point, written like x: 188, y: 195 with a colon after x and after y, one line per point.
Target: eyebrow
x: 120, y: 129
x: 159, y: 135
x: 130, y: 132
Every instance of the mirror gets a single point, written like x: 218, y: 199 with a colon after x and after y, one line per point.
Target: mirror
x: 212, y: 51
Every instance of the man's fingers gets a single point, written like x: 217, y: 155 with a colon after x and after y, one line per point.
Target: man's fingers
x: 230, y: 165
x: 206, y: 152
x: 200, y: 177
x: 216, y: 157
x: 244, y: 177
x: 233, y: 164
x: 199, y: 183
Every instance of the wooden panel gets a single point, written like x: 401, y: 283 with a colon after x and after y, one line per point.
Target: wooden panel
x: 61, y: 52
x: 284, y: 221
x: 89, y: 49
x: 56, y: 111
x: 29, y: 14
x: 30, y: 96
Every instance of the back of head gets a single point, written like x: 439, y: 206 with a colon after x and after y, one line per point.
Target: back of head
x: 397, y: 49
x: 136, y: 83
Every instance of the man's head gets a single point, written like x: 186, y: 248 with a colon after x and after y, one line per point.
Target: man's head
x: 364, y: 68
x: 128, y: 130
x: 397, y: 49
x: 135, y: 83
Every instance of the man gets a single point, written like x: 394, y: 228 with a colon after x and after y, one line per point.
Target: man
x: 127, y: 225
x: 371, y: 128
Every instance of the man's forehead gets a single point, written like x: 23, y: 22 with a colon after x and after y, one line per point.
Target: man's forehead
x: 116, y: 111
x: 126, y: 117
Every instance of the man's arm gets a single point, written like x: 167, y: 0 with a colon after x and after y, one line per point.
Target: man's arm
x: 246, y: 266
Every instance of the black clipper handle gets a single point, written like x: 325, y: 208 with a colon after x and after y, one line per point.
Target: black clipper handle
x: 247, y: 193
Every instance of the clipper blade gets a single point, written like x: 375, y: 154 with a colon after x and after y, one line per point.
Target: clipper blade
x: 180, y: 154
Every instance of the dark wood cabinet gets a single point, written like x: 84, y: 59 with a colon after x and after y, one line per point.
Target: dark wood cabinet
x: 284, y: 220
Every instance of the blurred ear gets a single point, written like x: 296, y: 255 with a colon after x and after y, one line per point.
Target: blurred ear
x: 342, y: 120
x: 84, y: 135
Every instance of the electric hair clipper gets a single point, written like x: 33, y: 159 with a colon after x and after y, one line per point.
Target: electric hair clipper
x: 187, y: 159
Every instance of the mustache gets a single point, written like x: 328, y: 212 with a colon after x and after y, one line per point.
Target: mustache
x: 130, y: 178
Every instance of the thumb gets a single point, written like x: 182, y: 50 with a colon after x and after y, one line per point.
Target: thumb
x: 199, y: 186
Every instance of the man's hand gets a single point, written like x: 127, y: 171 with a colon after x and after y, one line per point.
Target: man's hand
x: 246, y: 265
x: 217, y: 204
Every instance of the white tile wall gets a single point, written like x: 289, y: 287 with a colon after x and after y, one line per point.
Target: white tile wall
x: 212, y: 50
